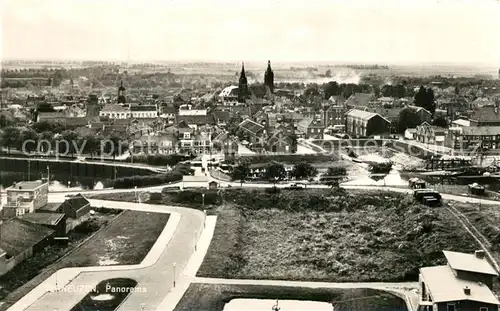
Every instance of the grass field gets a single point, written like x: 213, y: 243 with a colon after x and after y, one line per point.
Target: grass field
x: 126, y: 241
x: 123, y: 241
x: 213, y: 297
x: 359, y: 236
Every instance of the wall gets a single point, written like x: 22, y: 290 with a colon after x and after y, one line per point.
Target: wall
x: 9, y: 264
x: 476, y: 277
x: 467, y: 305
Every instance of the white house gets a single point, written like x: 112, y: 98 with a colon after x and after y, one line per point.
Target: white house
x: 115, y: 112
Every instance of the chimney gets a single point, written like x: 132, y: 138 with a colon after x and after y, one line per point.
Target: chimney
x: 479, y: 254
x: 466, y: 290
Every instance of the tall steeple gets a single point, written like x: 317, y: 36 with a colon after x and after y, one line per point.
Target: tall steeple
x: 242, y: 85
x: 269, y: 77
x: 121, y: 93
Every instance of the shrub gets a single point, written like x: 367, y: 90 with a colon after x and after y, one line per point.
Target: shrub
x: 175, y: 175
x: 288, y: 158
x: 159, y: 159
x: 381, y: 168
x: 105, y: 210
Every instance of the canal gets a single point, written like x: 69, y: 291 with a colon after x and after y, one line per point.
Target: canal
x: 64, y: 174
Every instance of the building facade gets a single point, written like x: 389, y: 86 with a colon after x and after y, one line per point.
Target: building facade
x: 364, y: 124
x: 25, y: 197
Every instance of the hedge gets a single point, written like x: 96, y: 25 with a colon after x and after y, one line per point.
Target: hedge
x: 159, y: 159
x: 175, y: 175
x: 288, y: 158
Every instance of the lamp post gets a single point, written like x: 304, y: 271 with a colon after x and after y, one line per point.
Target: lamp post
x: 204, y: 218
x: 57, y: 287
x: 203, y: 200
x: 195, y: 239
x: 174, y: 273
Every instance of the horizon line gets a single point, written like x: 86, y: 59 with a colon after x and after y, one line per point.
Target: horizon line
x: 214, y: 61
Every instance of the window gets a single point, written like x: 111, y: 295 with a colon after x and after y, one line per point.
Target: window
x: 450, y: 307
x: 483, y: 309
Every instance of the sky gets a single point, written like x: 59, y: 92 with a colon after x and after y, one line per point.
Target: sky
x: 356, y: 31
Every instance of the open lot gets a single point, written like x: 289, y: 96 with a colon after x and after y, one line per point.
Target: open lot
x: 214, y: 297
x: 330, y: 236
x: 123, y: 239
x: 126, y: 241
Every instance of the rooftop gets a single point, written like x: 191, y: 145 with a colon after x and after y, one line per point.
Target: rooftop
x: 469, y: 262
x: 26, y: 185
x: 50, y: 207
x: 481, y: 130
x: 444, y: 286
x: 189, y: 178
x: 50, y: 219
x: 251, y: 126
x: 18, y: 235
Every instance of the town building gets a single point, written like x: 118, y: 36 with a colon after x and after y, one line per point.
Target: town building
x: 333, y: 115
x: 187, y: 110
x: 472, y: 137
x: 428, y: 134
x: 229, y: 95
x: 25, y: 197
x: 311, y: 128
x: 114, y: 111
x: 464, y: 283
x: 485, y: 116
x: 365, y: 124
x: 143, y: 111
x: 19, y: 240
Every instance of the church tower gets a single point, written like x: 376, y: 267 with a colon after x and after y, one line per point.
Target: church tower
x: 121, y: 94
x: 243, y: 85
x: 269, y: 77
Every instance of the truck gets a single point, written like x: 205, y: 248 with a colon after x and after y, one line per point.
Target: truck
x: 429, y: 197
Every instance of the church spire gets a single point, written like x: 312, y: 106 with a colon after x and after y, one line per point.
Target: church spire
x: 121, y: 93
x: 243, y: 84
x: 269, y: 77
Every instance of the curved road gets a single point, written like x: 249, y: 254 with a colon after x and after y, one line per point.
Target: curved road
x: 157, y: 279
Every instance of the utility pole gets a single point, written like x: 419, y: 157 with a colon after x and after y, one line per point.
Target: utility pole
x: 48, y: 179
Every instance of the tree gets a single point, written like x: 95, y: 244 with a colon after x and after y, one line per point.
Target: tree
x: 45, y: 107
x: 304, y: 170
x: 293, y: 143
x: 28, y: 140
x: 49, y: 126
x: 4, y: 121
x: 400, y: 91
x: 240, y: 173
x: 311, y: 91
x: 336, y: 171
x: 92, y: 144
x: 331, y: 89
x: 440, y: 122
x: 275, y: 172
x: 425, y: 99
x: 407, y: 118
x: 11, y: 136
x: 328, y: 73
x: 71, y: 140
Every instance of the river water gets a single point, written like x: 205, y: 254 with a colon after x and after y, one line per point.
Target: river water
x: 58, y: 182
